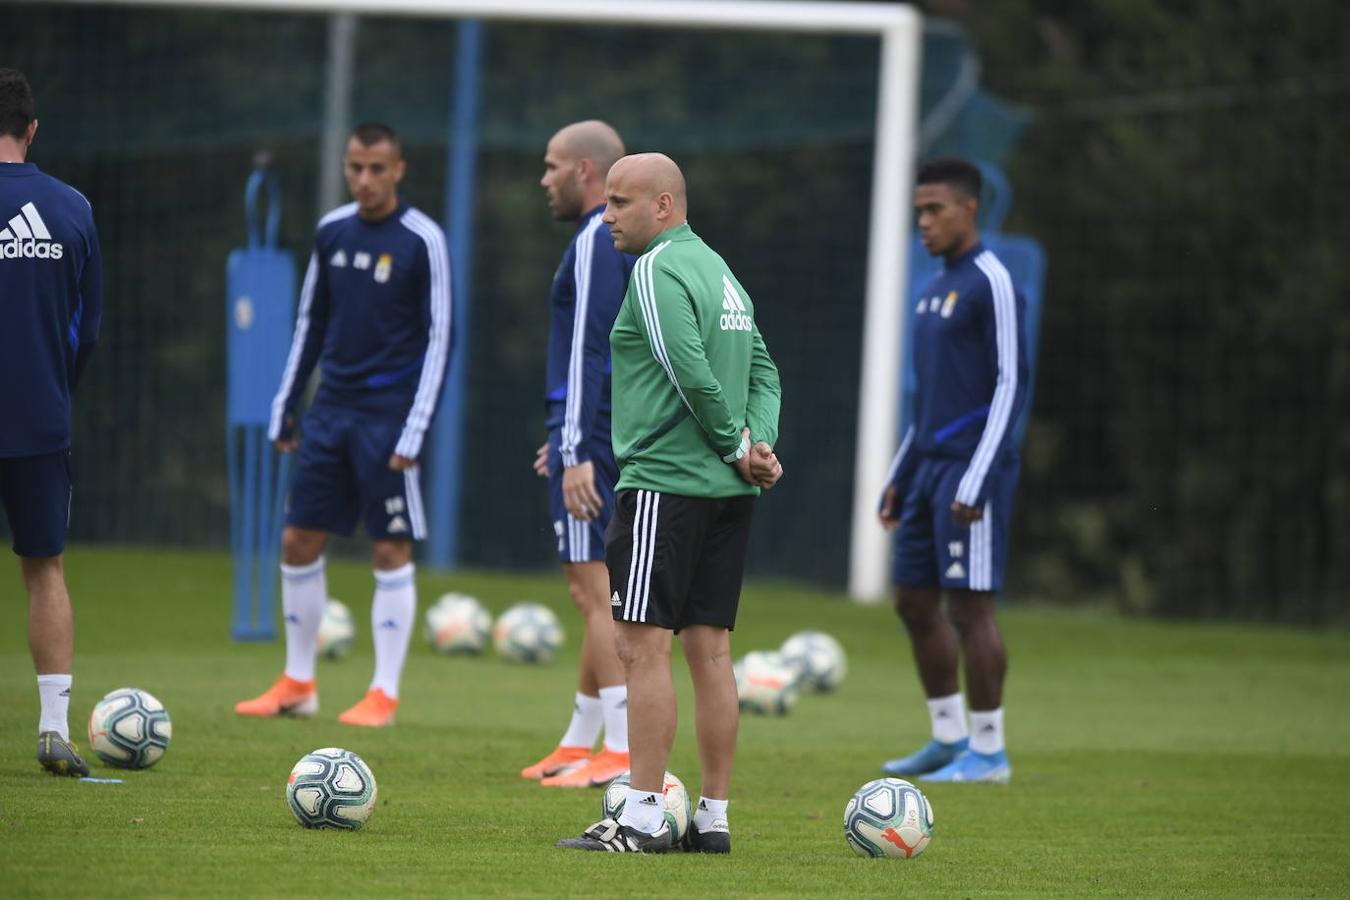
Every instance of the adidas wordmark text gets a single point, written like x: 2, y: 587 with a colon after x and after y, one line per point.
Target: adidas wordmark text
x: 26, y: 237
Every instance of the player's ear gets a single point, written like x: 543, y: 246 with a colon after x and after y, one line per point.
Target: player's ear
x: 32, y: 130
x: 399, y: 168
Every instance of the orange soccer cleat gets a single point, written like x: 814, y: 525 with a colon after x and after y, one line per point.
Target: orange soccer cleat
x: 563, y: 759
x: 600, y: 770
x: 286, y: 697
x: 375, y: 710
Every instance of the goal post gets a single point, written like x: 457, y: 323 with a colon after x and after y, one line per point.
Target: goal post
x: 899, y: 30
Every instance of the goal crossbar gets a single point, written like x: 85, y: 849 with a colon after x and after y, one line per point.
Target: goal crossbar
x: 765, y: 15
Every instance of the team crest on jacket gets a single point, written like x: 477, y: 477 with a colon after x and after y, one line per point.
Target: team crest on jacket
x: 943, y: 306
x: 383, y: 268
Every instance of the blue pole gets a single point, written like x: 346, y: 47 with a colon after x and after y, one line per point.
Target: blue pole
x: 446, y: 482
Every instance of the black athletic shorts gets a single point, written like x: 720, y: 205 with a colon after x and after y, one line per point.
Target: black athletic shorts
x: 676, y: 561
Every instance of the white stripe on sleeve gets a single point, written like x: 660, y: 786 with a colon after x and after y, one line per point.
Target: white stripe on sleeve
x: 297, y: 349
x: 900, y: 454
x: 646, y: 285
x: 302, y: 320
x: 571, y: 435
x: 1005, y: 388
x: 438, y: 340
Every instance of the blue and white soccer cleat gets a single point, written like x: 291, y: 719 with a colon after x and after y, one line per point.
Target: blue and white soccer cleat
x: 931, y: 757
x: 972, y: 766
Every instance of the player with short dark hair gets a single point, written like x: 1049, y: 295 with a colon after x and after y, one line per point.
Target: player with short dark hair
x: 577, y: 459
x: 51, y: 282
x: 368, y: 134
x: 696, y: 401
x: 950, y: 493
x: 375, y: 314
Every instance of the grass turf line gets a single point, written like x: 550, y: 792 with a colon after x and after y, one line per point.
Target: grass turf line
x: 1149, y: 759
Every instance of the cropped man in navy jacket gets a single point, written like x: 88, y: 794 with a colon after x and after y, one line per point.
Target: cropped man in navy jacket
x: 51, y: 285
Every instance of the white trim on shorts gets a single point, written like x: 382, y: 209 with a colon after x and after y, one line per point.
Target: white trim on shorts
x: 578, y: 540
x: 981, y: 576
x: 643, y: 555
x: 417, y: 516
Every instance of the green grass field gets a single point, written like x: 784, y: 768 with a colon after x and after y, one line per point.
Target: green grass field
x: 1149, y: 759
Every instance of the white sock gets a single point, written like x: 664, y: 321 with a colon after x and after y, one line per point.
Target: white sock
x: 643, y: 810
x: 949, y: 718
x: 615, y: 702
x: 586, y: 721
x: 986, y: 731
x: 54, y: 693
x: 304, y: 592
x: 391, y: 623
x: 709, y: 811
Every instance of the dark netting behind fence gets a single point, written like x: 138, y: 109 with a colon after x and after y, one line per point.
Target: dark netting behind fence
x: 1190, y: 449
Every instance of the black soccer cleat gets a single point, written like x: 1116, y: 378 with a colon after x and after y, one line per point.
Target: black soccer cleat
x: 716, y: 839
x: 59, y: 756
x: 608, y: 834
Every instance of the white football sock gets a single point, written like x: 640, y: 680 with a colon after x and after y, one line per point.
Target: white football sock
x: 587, y: 717
x: 986, y: 731
x: 709, y: 811
x: 615, y: 702
x: 391, y: 623
x: 304, y: 592
x: 949, y: 718
x: 54, y: 693
x: 643, y: 810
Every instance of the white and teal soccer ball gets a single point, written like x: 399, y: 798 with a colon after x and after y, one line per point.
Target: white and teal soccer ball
x: 819, y: 657
x: 679, y: 809
x: 457, y: 624
x: 336, y: 630
x: 130, y: 729
x: 331, y: 788
x: 528, y: 632
x: 765, y: 683
x: 888, y: 817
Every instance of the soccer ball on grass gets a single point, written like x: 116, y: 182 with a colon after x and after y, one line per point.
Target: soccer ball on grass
x: 679, y: 809
x: 130, y: 729
x: 458, y: 624
x: 528, y: 632
x: 336, y: 630
x: 819, y: 657
x: 765, y: 683
x: 331, y: 788
x: 888, y: 817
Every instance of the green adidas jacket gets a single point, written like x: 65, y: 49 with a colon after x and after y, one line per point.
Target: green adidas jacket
x: 690, y: 370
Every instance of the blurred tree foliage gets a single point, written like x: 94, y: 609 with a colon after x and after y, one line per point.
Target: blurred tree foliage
x: 1186, y: 169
